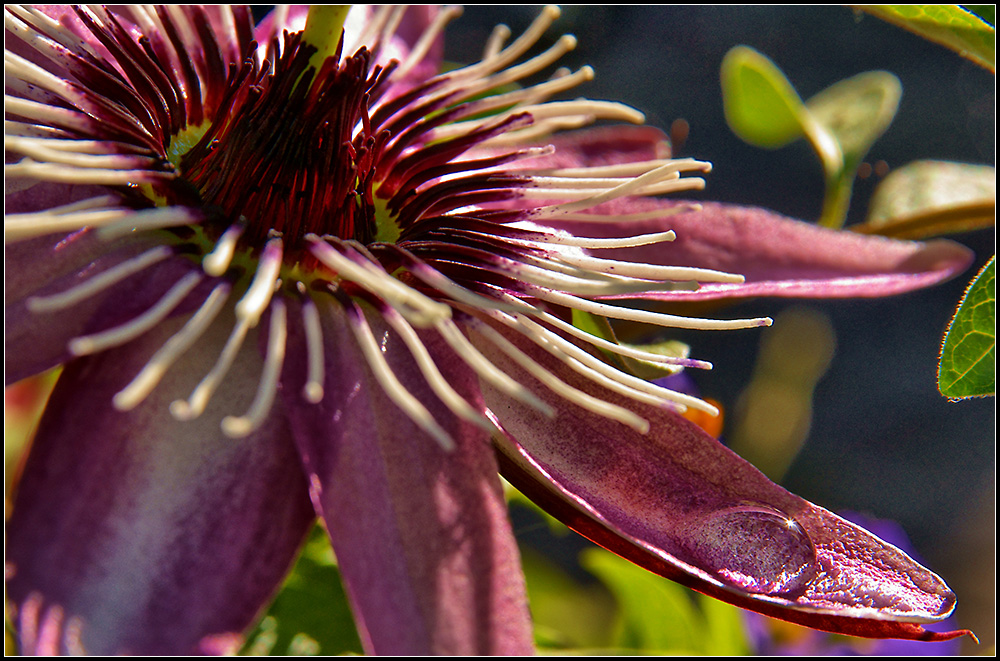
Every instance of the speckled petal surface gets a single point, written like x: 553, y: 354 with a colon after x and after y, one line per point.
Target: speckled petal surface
x: 132, y: 533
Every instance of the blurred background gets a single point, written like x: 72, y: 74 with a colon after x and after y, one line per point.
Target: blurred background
x: 882, y: 440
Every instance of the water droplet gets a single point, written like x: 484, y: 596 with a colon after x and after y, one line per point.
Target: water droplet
x: 754, y: 547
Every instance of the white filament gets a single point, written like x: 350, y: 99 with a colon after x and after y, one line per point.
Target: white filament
x: 395, y: 390
x: 267, y: 388
x: 144, y: 383
x: 261, y: 289
x: 98, y: 283
x: 216, y: 262
x: 564, y: 390
x: 312, y: 391
x: 113, y: 337
x: 458, y: 405
x: 196, y: 403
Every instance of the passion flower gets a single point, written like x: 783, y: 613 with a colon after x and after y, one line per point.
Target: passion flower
x: 293, y: 271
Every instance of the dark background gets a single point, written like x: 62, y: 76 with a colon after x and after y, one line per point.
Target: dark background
x: 883, y: 441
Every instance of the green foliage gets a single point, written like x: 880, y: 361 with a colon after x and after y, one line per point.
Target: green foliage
x: 968, y: 357
x: 841, y: 122
x: 949, y: 25
x: 567, y: 614
x: 761, y: 105
x: 310, y: 616
x: 658, y: 616
x: 986, y: 12
x: 931, y: 198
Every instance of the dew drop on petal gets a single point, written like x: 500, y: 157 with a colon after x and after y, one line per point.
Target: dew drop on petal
x: 754, y: 547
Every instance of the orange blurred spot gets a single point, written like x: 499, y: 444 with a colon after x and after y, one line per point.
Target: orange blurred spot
x: 711, y: 424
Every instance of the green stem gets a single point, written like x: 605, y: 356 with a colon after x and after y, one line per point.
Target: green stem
x: 836, y: 200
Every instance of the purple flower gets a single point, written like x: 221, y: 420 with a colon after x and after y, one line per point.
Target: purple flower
x: 294, y: 274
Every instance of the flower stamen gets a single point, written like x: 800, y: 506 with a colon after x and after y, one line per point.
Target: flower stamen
x: 458, y: 405
x: 216, y: 262
x: 489, y: 372
x: 195, y: 405
x: 258, y: 295
x: 558, y: 386
x: 426, y: 40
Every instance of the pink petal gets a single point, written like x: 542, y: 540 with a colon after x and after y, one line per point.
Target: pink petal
x: 421, y: 534
x: 780, y: 256
x: 679, y: 503
x: 134, y: 533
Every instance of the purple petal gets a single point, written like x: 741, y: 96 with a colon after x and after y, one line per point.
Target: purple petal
x: 37, y: 340
x: 679, y: 503
x: 780, y: 256
x: 421, y: 534
x: 135, y: 533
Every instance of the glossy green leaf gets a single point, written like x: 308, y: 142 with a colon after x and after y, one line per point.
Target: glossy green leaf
x: 761, y: 106
x: 968, y: 357
x: 986, y: 12
x: 931, y: 198
x: 948, y: 25
x: 310, y: 616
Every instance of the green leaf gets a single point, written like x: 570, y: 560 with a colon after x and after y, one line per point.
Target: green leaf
x: 660, y: 616
x: 567, y: 614
x: 968, y: 357
x: 986, y: 12
x: 948, y: 25
x: 310, y: 616
x: 930, y: 198
x: 857, y: 111
x: 854, y: 112
x: 761, y: 106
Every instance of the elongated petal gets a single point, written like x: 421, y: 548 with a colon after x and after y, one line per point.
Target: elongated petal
x: 780, y: 256
x: 133, y: 533
x: 679, y: 503
x: 421, y: 533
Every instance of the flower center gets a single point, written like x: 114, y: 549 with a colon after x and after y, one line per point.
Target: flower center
x: 291, y: 152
